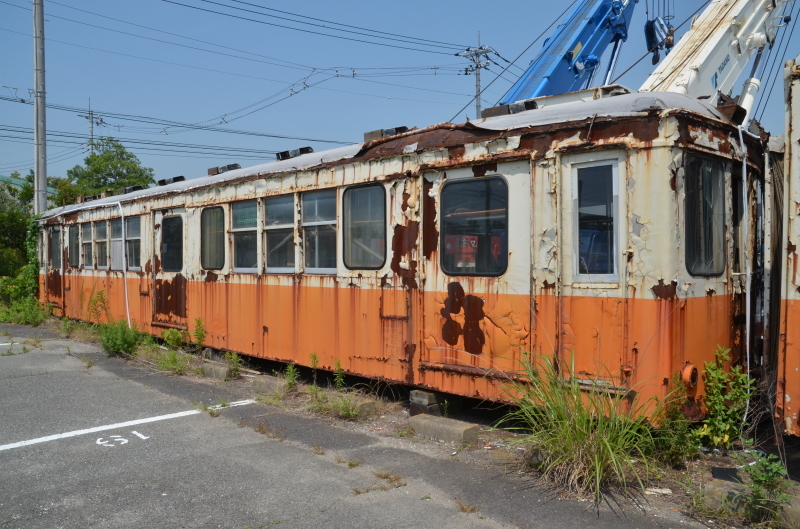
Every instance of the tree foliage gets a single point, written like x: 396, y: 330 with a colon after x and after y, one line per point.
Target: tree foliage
x: 111, y: 166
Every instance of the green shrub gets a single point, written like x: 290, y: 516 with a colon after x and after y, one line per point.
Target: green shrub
x: 199, y: 333
x: 173, y: 362
x: 726, y: 400
x: 174, y: 337
x: 338, y: 377
x: 118, y: 338
x: 675, y: 440
x: 768, y: 488
x: 234, y: 363
x: 98, y: 307
x: 584, y: 437
x: 345, y: 407
x: 292, y: 377
x: 23, y: 311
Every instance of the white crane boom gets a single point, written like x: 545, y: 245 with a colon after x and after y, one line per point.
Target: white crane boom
x: 711, y: 56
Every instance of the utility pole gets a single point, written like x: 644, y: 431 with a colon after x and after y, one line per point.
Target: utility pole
x: 476, y: 55
x: 40, y: 123
x: 90, y: 117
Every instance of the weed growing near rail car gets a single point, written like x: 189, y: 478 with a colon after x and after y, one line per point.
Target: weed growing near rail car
x: 292, y: 377
x: 175, y: 337
x: 23, y: 311
x: 584, y: 439
x: 234, y: 364
x: 199, y: 333
x: 98, y: 307
x: 173, y: 362
x: 338, y: 376
x: 768, y: 489
x: 314, y: 364
x: 726, y: 399
x: 118, y: 338
x: 675, y: 440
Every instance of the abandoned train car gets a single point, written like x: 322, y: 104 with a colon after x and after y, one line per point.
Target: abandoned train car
x: 611, y: 230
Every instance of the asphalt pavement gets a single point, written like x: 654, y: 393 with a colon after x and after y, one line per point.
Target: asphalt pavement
x: 92, y: 441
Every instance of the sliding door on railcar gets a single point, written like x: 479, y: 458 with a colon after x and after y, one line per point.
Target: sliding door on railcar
x: 54, y: 260
x: 477, y: 283
x: 169, y: 268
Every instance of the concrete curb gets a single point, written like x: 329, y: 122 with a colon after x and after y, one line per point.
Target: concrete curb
x: 719, y: 494
x: 219, y: 371
x: 267, y: 384
x: 441, y: 429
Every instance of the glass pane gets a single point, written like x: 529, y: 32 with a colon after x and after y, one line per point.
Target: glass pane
x: 116, y: 254
x: 74, y: 246
x: 100, y: 230
x: 319, y: 206
x: 280, y: 248
x: 86, y: 232
x: 279, y: 210
x: 475, y: 227
x: 133, y: 227
x: 172, y: 244
x: 87, y: 255
x: 320, y: 246
x: 212, y: 239
x: 102, y: 254
x: 244, y: 250
x: 55, y: 248
x: 364, y: 211
x: 596, y: 220
x: 244, y: 214
x: 134, y: 256
x: 116, y: 228
x: 705, y: 217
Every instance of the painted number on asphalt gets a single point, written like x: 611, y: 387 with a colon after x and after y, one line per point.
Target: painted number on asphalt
x: 114, y: 440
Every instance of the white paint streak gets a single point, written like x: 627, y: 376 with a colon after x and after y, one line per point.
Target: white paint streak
x: 96, y: 429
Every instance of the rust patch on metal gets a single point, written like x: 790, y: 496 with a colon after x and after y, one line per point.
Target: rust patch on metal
x: 663, y: 291
x: 171, y: 296
x: 410, y: 349
x: 481, y: 170
x: 148, y: 267
x: 54, y: 282
x: 211, y: 277
x: 430, y: 235
x: 548, y: 286
x: 473, y: 314
x: 404, y: 241
x: 71, y: 217
x: 457, y: 152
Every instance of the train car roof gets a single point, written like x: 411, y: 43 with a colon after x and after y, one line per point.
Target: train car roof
x: 619, y: 106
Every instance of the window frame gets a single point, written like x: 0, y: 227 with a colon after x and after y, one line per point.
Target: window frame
x: 724, y: 229
x: 202, y: 239
x: 52, y: 248
x: 73, y: 240
x: 87, y: 242
x: 343, y: 229
x: 182, y: 239
x: 267, y: 228
x: 233, y: 231
x: 334, y: 223
x: 442, y: 233
x: 112, y: 239
x: 577, y: 276
x: 97, y: 242
x: 128, y: 239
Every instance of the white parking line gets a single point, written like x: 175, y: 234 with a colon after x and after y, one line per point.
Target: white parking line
x: 75, y: 433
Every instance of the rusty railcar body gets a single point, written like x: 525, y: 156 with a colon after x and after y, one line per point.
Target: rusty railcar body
x: 611, y: 231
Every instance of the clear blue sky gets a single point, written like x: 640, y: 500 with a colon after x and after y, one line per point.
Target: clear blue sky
x: 255, y: 62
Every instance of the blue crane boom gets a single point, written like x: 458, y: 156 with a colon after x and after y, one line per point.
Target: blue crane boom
x: 569, y: 59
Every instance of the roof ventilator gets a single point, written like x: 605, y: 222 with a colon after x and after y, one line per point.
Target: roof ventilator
x: 131, y: 189
x: 223, y: 168
x: 168, y: 181
x: 511, y: 108
x: 383, y: 133
x: 294, y: 153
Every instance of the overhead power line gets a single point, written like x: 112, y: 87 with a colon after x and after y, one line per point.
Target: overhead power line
x: 303, y: 30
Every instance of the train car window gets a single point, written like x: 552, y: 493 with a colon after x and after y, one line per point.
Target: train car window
x: 74, y: 246
x: 245, y: 222
x: 212, y: 238
x: 172, y: 244
x: 737, y: 212
x: 55, y: 247
x: 279, y: 233
x: 705, y: 217
x: 319, y: 231
x: 364, y: 227
x: 595, y: 217
x: 474, y: 226
x: 116, y: 244
x: 86, y: 245
x: 133, y: 242
x: 101, y: 242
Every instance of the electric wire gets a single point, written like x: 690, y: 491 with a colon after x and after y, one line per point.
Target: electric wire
x: 774, y: 69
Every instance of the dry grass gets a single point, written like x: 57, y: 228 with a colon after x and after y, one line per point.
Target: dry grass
x: 466, y: 507
x: 36, y: 342
x: 317, y: 449
x: 271, y: 430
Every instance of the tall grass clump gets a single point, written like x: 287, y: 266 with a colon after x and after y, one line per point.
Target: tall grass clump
x: 23, y: 311
x: 119, y: 339
x: 584, y: 437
